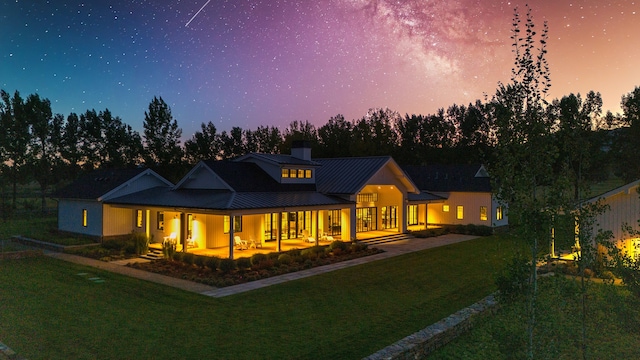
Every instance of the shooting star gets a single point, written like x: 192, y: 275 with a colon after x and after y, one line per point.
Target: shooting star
x: 196, y: 14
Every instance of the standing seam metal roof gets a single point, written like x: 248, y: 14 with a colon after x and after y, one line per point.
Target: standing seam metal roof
x: 347, y: 175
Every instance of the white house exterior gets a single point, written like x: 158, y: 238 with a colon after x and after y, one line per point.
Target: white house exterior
x: 266, y: 201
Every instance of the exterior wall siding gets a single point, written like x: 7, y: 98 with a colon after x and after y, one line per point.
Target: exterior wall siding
x: 471, y: 203
x: 70, y: 217
x: 624, y: 208
x: 119, y: 221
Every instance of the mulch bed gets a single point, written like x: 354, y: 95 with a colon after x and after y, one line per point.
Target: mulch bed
x: 269, y: 268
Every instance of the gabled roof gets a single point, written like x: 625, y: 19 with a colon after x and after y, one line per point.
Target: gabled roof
x: 350, y: 175
x: 278, y: 159
x: 225, y: 200
x: 626, y: 188
x: 447, y: 178
x: 425, y: 196
x: 100, y: 183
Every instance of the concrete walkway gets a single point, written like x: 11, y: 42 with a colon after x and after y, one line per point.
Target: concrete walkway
x: 391, y: 249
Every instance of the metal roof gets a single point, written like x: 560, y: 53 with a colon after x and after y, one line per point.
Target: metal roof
x: 425, y: 196
x: 225, y: 200
x: 447, y: 178
x: 347, y: 175
x: 279, y: 159
x: 97, y: 183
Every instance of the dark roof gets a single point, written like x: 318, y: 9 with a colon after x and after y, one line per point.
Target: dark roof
x: 425, y: 196
x: 249, y: 177
x: 97, y: 183
x: 279, y: 159
x: 447, y: 178
x: 347, y: 175
x: 225, y: 200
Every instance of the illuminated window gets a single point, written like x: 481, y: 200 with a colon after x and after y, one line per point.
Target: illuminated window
x: 483, y: 213
x: 445, y: 208
x: 84, y: 217
x: 499, y: 213
x: 139, y: 218
x: 285, y: 173
x: 412, y: 215
x: 307, y: 173
x: 301, y: 173
x: 237, y: 224
x: 367, y: 197
x: 459, y: 212
x: 160, y: 220
x: 293, y: 173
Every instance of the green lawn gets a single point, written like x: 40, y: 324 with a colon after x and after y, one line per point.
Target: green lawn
x: 613, y: 318
x: 40, y: 228
x: 49, y: 311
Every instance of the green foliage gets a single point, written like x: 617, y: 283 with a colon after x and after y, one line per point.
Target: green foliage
x: 188, y: 258
x: 337, y: 244
x: 258, y: 258
x: 243, y: 263
x: 200, y: 261
x: 212, y: 262
x: 141, y: 242
x: 285, y: 259
x: 169, y: 249
x: 514, y: 281
x: 177, y: 256
x: 227, y: 265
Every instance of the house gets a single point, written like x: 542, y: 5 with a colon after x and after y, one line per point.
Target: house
x: 465, y: 195
x: 623, y: 209
x: 262, y: 202
x: 83, y: 205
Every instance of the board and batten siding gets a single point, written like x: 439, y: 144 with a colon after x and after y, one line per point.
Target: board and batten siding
x: 119, y: 221
x: 70, y: 217
x: 624, y: 208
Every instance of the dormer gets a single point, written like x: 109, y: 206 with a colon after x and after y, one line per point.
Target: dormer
x: 297, y: 168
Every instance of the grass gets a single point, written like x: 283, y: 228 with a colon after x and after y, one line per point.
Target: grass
x: 40, y: 228
x: 349, y: 313
x: 613, y: 317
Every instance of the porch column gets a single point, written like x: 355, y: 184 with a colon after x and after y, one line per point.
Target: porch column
x: 403, y: 214
x: 279, y: 233
x: 352, y: 223
x: 183, y: 232
x: 317, y: 234
x: 232, y: 220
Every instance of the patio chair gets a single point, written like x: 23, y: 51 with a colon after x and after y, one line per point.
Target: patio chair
x: 254, y: 243
x: 240, y: 244
x: 171, y: 238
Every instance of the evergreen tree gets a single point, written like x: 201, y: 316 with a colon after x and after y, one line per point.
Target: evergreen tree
x: 161, y: 136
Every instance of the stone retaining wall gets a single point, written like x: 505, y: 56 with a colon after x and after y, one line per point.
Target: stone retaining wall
x: 427, y: 340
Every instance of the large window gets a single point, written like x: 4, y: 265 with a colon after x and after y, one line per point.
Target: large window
x: 139, y: 218
x: 84, y: 217
x: 459, y: 212
x: 367, y: 197
x: 483, y: 213
x: 270, y: 226
x: 499, y: 213
x: 389, y: 217
x: 237, y: 224
x: 335, y: 223
x: 366, y: 219
x: 412, y: 215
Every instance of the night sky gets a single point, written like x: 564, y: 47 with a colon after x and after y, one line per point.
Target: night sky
x: 250, y: 63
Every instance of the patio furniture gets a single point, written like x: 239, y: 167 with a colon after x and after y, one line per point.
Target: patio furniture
x: 240, y: 244
x: 326, y: 237
x: 171, y: 238
x: 254, y: 243
x: 191, y: 243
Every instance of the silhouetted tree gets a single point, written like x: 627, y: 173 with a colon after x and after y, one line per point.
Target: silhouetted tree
x: 161, y: 136
x: 625, y: 147
x: 15, y: 127
x: 204, y: 144
x: 334, y: 138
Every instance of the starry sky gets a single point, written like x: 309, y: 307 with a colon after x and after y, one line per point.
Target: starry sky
x: 248, y: 63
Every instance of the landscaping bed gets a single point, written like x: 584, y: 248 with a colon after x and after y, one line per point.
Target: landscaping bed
x: 226, y: 272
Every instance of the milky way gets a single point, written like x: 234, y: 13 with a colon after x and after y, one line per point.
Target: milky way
x: 250, y: 63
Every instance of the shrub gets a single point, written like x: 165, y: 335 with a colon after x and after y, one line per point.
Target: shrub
x: 200, y: 260
x: 227, y: 265
x: 513, y: 281
x: 258, y: 258
x: 140, y: 242
x: 243, y: 263
x: 188, y: 258
x: 337, y: 244
x: 177, y: 256
x: 285, y: 259
x: 169, y: 249
x: 212, y: 262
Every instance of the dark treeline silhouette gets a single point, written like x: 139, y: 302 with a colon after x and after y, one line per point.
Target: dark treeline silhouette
x: 38, y: 145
